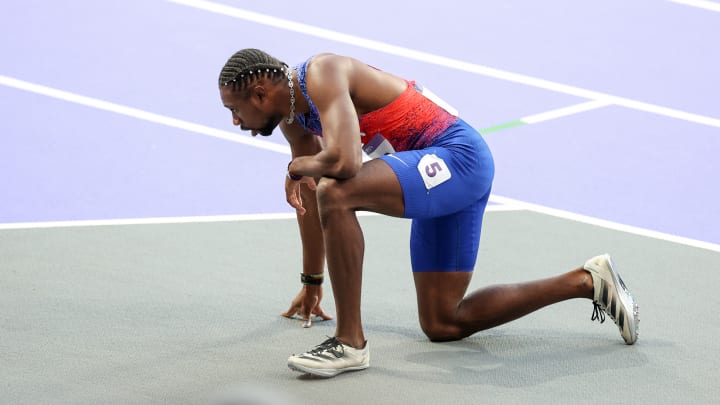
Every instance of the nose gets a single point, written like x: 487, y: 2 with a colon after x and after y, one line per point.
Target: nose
x: 236, y: 120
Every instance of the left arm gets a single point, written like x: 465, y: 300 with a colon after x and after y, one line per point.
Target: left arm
x: 329, y: 87
x: 301, y: 195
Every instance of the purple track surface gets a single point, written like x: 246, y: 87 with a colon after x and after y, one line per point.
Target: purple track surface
x: 62, y: 161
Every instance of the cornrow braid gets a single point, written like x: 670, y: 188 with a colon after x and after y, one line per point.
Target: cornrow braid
x: 247, y: 64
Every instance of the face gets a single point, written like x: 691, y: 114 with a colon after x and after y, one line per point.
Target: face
x: 251, y: 113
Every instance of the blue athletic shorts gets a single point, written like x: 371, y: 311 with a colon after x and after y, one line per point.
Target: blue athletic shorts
x: 446, y: 188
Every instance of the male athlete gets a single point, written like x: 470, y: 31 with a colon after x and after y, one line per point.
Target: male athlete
x: 428, y: 165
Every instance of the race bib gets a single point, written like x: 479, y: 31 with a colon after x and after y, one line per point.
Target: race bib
x: 433, y: 170
x: 378, y: 146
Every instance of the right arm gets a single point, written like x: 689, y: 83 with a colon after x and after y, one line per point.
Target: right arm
x: 301, y: 195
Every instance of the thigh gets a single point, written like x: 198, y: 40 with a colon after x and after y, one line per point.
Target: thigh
x: 375, y: 188
x: 439, y: 294
x: 449, y: 243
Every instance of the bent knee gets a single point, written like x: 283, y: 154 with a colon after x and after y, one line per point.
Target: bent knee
x: 442, y: 332
x: 329, y: 191
x: 333, y: 196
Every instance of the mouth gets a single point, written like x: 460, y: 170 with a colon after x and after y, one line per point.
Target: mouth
x: 265, y: 130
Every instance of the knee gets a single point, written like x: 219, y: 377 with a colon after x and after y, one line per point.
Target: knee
x: 330, y: 195
x: 438, y: 331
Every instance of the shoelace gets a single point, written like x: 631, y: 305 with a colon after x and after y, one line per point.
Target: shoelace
x: 598, y: 313
x: 330, y: 345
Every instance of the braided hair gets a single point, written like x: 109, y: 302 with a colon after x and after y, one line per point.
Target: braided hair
x: 246, y: 65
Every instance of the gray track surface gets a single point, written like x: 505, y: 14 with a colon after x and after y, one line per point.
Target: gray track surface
x: 180, y: 313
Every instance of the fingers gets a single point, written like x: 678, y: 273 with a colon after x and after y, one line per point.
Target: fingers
x: 298, y: 198
x: 293, y: 310
x: 290, y: 312
x: 295, y: 199
x: 308, y: 311
x: 309, y: 182
x: 319, y: 312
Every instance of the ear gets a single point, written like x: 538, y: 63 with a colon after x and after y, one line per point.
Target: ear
x: 259, y: 93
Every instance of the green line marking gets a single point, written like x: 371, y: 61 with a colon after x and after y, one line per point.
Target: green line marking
x: 503, y: 126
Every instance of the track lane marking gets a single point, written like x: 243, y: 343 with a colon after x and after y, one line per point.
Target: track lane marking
x: 337, y: 36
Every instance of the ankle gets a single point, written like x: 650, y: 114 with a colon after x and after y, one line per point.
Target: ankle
x: 586, y: 284
x: 356, y: 343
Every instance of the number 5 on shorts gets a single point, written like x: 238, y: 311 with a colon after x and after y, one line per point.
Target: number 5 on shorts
x: 433, y: 170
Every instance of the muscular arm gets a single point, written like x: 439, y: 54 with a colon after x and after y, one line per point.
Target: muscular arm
x: 307, y: 302
x: 304, y: 144
x: 329, y: 87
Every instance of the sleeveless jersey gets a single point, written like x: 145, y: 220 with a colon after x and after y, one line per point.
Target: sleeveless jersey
x: 411, y: 121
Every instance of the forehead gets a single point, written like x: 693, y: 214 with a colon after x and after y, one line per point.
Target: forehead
x: 231, y: 97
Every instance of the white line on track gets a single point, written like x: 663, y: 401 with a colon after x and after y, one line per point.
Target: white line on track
x: 189, y: 220
x: 227, y: 135
x: 142, y: 115
x: 441, y: 60
x: 507, y: 204
x: 145, y: 221
x: 606, y: 224
x: 707, y: 5
x: 564, y: 112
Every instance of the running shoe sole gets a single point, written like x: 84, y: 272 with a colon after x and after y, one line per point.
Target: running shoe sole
x: 324, y: 372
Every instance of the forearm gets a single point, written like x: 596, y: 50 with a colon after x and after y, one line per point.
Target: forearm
x: 327, y: 164
x: 313, y: 246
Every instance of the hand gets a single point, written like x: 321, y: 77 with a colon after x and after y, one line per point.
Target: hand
x: 292, y: 192
x: 306, y: 304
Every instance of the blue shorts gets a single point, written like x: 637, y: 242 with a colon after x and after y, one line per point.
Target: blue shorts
x: 446, y: 187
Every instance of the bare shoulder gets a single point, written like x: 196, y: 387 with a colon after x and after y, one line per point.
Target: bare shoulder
x: 326, y: 67
x: 330, y: 63
x: 370, y: 88
x: 327, y: 78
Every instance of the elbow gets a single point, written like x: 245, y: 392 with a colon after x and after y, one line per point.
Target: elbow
x: 349, y: 169
x: 345, y: 168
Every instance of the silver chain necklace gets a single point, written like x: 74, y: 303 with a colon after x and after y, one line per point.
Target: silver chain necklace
x: 290, y: 119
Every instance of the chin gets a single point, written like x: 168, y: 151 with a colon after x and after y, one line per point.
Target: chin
x: 268, y: 129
